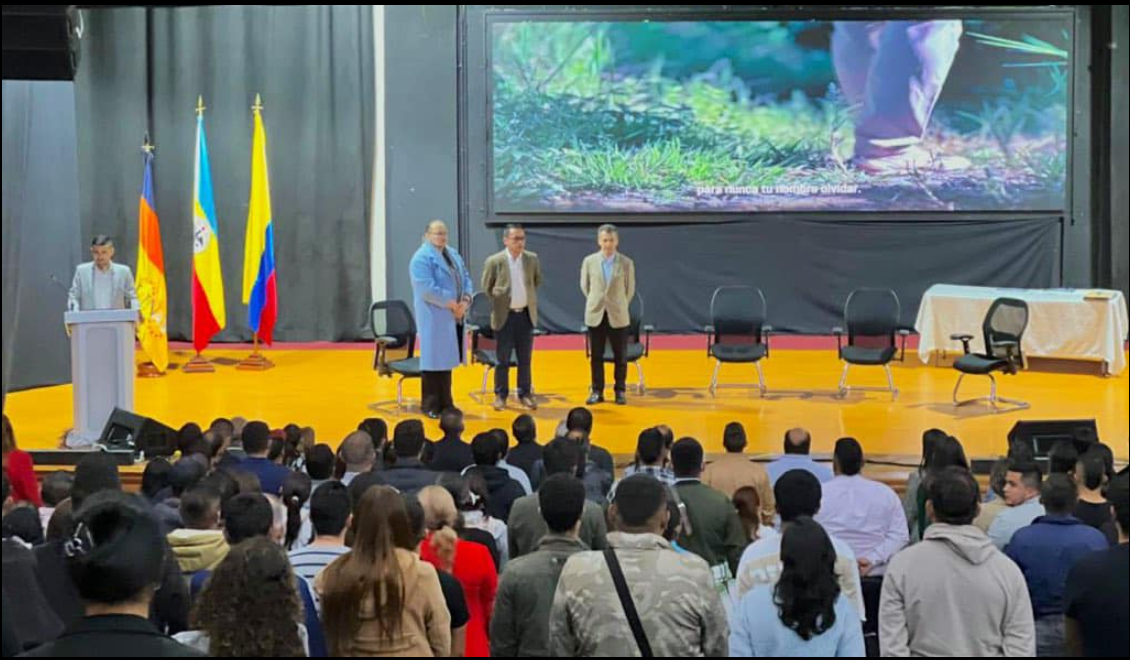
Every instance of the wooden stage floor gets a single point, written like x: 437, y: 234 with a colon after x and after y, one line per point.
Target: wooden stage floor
x: 330, y: 387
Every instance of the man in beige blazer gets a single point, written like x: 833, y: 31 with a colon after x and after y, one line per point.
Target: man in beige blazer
x: 608, y: 280
x: 511, y: 278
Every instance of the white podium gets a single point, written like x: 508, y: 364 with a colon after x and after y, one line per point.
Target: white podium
x: 102, y: 369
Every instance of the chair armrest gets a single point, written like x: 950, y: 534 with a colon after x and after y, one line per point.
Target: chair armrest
x: 647, y: 330
x: 903, y: 334
x: 964, y: 339
x: 838, y: 332
x: 385, y: 340
x: 539, y: 332
x: 472, y: 327
x: 708, y: 330
x: 766, y: 333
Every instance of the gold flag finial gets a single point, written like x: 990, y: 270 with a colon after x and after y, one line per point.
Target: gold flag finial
x: 147, y: 146
x: 258, y: 103
x: 199, y: 106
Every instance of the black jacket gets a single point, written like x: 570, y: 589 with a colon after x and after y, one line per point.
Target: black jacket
x: 408, y: 476
x: 448, y: 455
x: 113, y: 635
x: 502, y: 491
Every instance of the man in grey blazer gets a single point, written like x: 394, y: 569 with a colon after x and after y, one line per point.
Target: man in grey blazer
x: 102, y: 284
x: 608, y: 280
x: 511, y: 278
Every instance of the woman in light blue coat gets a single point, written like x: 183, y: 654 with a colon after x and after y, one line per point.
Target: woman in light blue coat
x: 441, y: 294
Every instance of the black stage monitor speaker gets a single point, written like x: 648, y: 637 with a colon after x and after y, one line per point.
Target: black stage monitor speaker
x: 125, y: 430
x: 41, y: 42
x: 1042, y: 435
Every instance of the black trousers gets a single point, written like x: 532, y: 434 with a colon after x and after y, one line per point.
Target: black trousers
x: 435, y: 391
x: 516, y: 334
x: 618, y: 337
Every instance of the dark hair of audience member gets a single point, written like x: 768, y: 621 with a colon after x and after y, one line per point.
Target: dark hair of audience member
x: 562, y: 456
x: 295, y: 493
x: 747, y: 502
x: 408, y: 438
x: 798, y: 493
x: 561, y: 500
x: 525, y: 429
x: 930, y: 439
x: 849, y: 456
x: 1090, y: 471
x: 379, y: 528
x: 649, y: 447
x: 56, y: 487
x: 256, y: 438
x: 954, y: 496
x: 117, y: 551
x: 638, y: 499
x: 320, y: 462
x: 246, y: 516
x: 686, y: 458
x: 250, y: 607
x: 734, y: 438
x: 579, y: 419
x: 155, y: 478
x: 23, y: 523
x: 1062, y: 457
x: 1058, y: 495
x: 200, y: 507
x: 807, y: 590
x: 61, y: 526
x: 330, y: 508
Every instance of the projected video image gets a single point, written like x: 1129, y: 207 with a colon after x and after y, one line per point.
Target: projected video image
x: 748, y: 116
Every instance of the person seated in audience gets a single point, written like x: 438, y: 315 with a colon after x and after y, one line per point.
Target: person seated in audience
x: 678, y: 607
x: 408, y: 474
x: 735, y: 470
x: 155, y: 479
x: 184, y: 475
x: 1096, y: 600
x: 330, y: 514
x: 452, y: 590
x: 580, y: 419
x: 798, y: 444
x: 1045, y: 551
x: 526, y: 526
x: 200, y: 544
x: 56, y: 488
x: 955, y: 594
x: 319, y: 465
x: 476, y: 515
x: 469, y: 562
x: 651, y: 459
x: 1092, y: 508
x: 865, y: 514
x: 19, y: 468
x: 797, y: 493
x: 715, y: 534
x: 450, y: 453
x: 22, y: 524
x: 993, y: 502
x: 115, y: 561
x: 1022, y: 497
x: 804, y: 614
x: 256, y: 439
x: 520, y: 625
x: 1062, y: 458
x: 380, y: 599
x: 747, y: 502
x: 250, y: 608
x: 528, y: 451
x: 503, y: 490
x: 358, y: 454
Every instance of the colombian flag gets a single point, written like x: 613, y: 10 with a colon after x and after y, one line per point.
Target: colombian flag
x: 259, y: 288
x: 208, y: 315
x: 153, y: 331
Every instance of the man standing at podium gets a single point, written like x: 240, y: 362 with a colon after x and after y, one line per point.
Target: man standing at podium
x: 102, y: 284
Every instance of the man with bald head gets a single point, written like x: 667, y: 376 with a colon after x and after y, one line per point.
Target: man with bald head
x: 798, y: 443
x: 358, y: 454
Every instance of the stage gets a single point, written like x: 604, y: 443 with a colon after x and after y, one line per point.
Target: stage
x: 332, y: 386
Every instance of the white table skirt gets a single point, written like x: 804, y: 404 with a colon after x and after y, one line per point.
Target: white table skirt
x: 1062, y: 323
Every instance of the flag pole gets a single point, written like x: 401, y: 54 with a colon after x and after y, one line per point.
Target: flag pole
x: 199, y: 364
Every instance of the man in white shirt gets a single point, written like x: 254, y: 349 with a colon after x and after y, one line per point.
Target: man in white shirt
x: 865, y: 514
x: 511, y: 279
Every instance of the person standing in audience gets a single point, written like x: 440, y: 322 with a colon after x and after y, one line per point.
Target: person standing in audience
x: 798, y: 444
x: 747, y: 502
x: 511, y: 278
x: 914, y: 481
x: 865, y: 514
x: 608, y: 282
x: 452, y: 590
x: 527, y: 451
x: 380, y: 599
x: 475, y: 516
x: 1022, y: 496
x: 330, y: 516
x: 1092, y: 508
x: 319, y: 465
x: 580, y: 420
x: 526, y: 526
x: 993, y: 502
x: 409, y: 474
x: 503, y: 490
x: 358, y: 454
x: 651, y: 459
x: 955, y: 594
x: 56, y: 488
x: 1062, y: 458
x: 469, y: 562
x: 19, y: 468
x: 1045, y: 551
x: 734, y: 470
x: 804, y: 614
x: 257, y: 443
x: 798, y: 494
x: 948, y: 452
x: 1096, y: 601
x: 520, y: 626
x: 679, y: 612
x: 200, y: 544
x: 251, y: 607
x: 714, y: 532
x: 449, y: 454
x: 115, y: 561
x: 441, y: 291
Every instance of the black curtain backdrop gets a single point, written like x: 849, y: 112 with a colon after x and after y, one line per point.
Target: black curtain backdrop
x: 142, y: 71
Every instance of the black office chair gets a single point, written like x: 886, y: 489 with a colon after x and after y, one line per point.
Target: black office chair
x: 639, y: 341
x: 1003, y: 330
x: 871, y: 317
x: 737, y: 333
x: 394, y: 331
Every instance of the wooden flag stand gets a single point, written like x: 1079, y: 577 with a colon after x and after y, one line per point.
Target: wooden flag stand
x: 148, y: 370
x: 256, y: 361
x: 198, y: 365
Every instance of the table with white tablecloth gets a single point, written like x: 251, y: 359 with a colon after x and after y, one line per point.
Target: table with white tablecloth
x: 1082, y: 324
